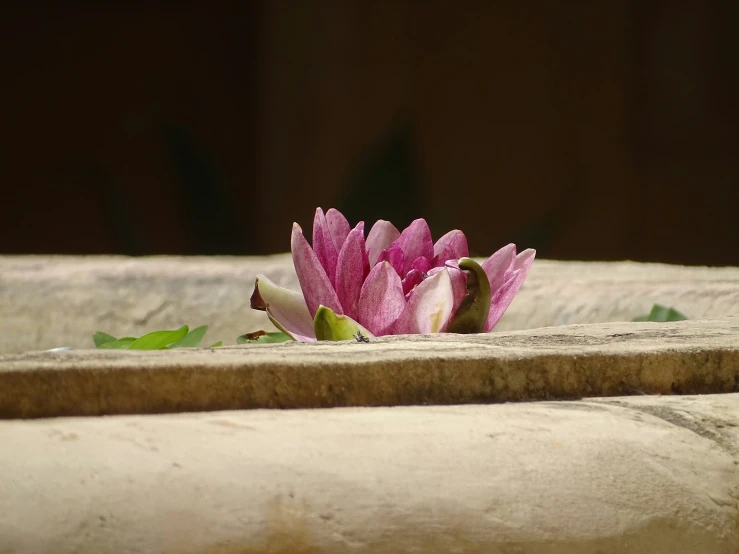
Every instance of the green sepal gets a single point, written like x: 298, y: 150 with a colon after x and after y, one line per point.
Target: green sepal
x: 472, y: 313
x: 329, y: 326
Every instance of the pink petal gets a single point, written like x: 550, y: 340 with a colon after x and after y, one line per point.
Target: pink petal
x: 421, y: 264
x: 495, y: 266
x: 412, y: 278
x: 459, y: 285
x: 350, y: 271
x: 451, y: 246
x: 381, y: 300
x: 393, y: 255
x: 365, y: 255
x: 338, y: 226
x: 458, y: 277
x: 415, y: 241
x: 429, y: 306
x: 285, y: 308
x: 525, y: 259
x: 382, y: 234
x: 323, y: 245
x: 314, y: 282
x: 503, y: 296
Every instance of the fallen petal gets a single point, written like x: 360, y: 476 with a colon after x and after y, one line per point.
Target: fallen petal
x: 338, y: 227
x: 503, y: 297
x: 382, y: 234
x: 329, y: 326
x: 323, y: 245
x: 285, y: 308
x: 350, y: 271
x: 451, y: 246
x: 314, y: 282
x: 495, y: 266
x: 429, y: 306
x: 415, y: 241
x: 381, y: 300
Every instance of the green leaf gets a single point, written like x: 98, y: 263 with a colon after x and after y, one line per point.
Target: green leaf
x: 192, y: 339
x: 120, y: 344
x: 158, y: 340
x: 662, y: 314
x: 262, y: 337
x: 101, y: 338
x: 217, y: 344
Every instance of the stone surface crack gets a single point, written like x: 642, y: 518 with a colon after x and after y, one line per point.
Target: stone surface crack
x: 677, y: 419
x: 156, y: 311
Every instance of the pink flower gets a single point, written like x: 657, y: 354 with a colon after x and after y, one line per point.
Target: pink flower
x: 390, y: 283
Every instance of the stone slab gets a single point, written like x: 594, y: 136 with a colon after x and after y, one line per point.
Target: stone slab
x: 689, y: 357
x: 656, y: 475
x: 50, y: 301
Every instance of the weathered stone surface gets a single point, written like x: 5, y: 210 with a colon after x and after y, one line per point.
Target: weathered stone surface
x: 49, y: 301
x: 561, y: 293
x: 60, y: 301
x: 608, y: 475
x: 613, y: 476
x: 689, y: 357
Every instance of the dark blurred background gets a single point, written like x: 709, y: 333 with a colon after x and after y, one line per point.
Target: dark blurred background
x: 588, y: 130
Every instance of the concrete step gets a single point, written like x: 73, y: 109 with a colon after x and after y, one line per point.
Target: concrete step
x: 624, y: 450
x: 606, y: 359
x: 50, y: 301
x: 607, y: 475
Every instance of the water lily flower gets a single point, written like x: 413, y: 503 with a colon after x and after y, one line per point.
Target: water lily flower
x: 389, y: 283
